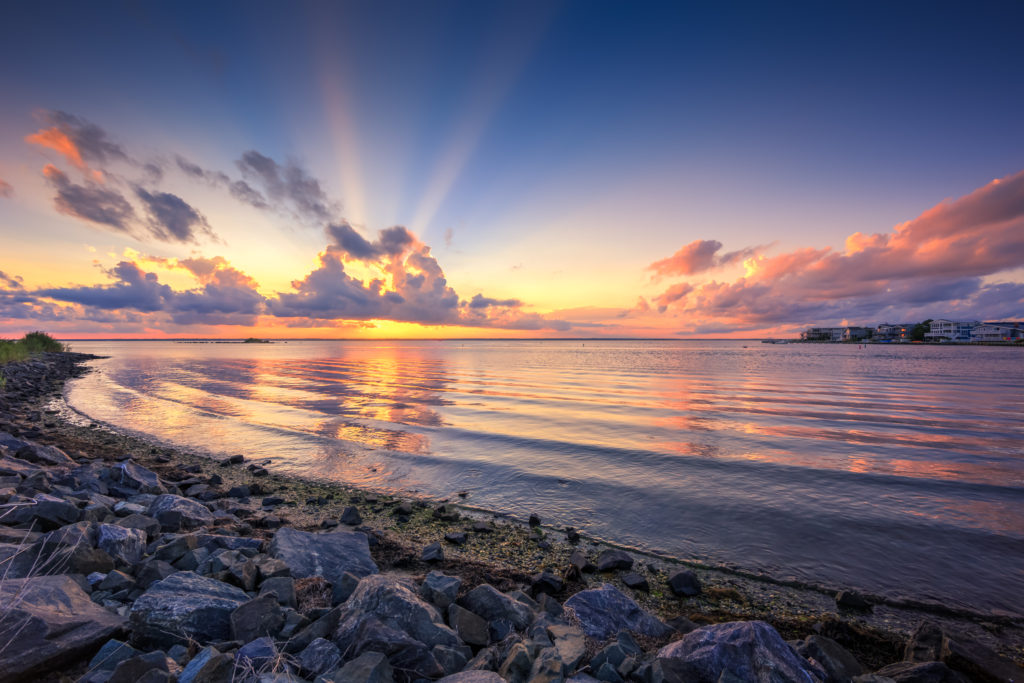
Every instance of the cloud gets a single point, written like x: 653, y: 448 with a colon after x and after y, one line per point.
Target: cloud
x: 934, y: 263
x: 481, y: 301
x: 289, y: 185
x: 171, y: 219
x: 6, y: 190
x: 699, y: 256
x: 78, y: 140
x: 10, y: 281
x: 133, y: 289
x: 91, y: 202
x: 390, y: 242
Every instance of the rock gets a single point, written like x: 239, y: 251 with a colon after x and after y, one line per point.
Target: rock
x: 925, y: 643
x: 241, y: 491
x: 174, y: 513
x: 456, y: 538
x: 470, y: 627
x: 921, y: 672
x: 369, y: 667
x: 282, y: 588
x: 137, y: 477
x: 839, y: 664
x: 208, y: 666
x: 534, y: 519
x: 123, y: 508
x: 116, y: 581
x: 551, y: 606
x: 49, y: 622
x: 320, y: 657
x: 329, y: 555
x: 364, y: 632
x: 473, y: 677
x: 570, y: 643
x: 482, y: 527
x: 257, y: 618
x: 545, y: 582
x: 852, y: 600
x: 487, y: 602
x: 133, y: 669
x: 739, y: 650
x: 517, y: 664
x: 604, y: 611
x: 49, y: 456
x: 342, y: 590
x: 395, y: 605
x: 581, y: 563
x: 185, y: 606
x: 685, y: 583
x: 636, y: 582
x: 978, y: 662
x: 547, y: 667
x: 111, y: 654
x: 572, y: 535
x: 351, y: 516
x: 47, y: 512
x: 153, y: 571
x: 432, y: 553
x: 123, y: 544
x: 148, y: 525
x: 255, y: 655
x: 439, y: 589
x: 611, y: 559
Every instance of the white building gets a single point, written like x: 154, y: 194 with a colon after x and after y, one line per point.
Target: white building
x: 951, y: 330
x: 835, y: 334
x: 998, y: 331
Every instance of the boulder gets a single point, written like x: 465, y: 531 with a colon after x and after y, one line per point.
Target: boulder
x: 329, y: 555
x: 47, y: 512
x: 111, y: 654
x: 432, y: 553
x: 570, y: 643
x: 320, y: 657
x: 369, y: 667
x: 48, y: 456
x: 208, y: 666
x: 175, y: 512
x: 739, y: 650
x: 852, y: 600
x: 257, y: 618
x: 921, y: 672
x: 684, y: 583
x: 137, y: 477
x: 473, y: 676
x: 545, y: 582
x: 49, y: 622
x: 351, y: 516
x: 439, y: 589
x: 470, y: 627
x: 366, y: 633
x: 185, y: 606
x: 603, y: 612
x: 398, y: 607
x: 282, y: 588
x: 611, y: 559
x: 254, y: 656
x: 134, y: 669
x: 636, y: 582
x: 839, y: 664
x: 147, y: 524
x: 123, y: 544
x: 487, y: 602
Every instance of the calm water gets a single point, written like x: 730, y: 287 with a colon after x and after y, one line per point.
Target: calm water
x: 897, y: 470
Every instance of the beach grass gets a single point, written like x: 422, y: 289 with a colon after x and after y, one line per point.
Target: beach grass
x: 33, y: 342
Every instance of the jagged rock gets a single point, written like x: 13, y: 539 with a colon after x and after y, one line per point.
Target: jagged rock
x: 351, y: 516
x: 636, y: 582
x: 153, y: 571
x: 839, y: 664
x: 282, y: 588
x: 111, y: 654
x: 175, y: 512
x: 432, y: 553
x: 329, y: 555
x: 684, y: 582
x: 133, y: 669
x: 439, y: 589
x: 978, y: 662
x: 570, y: 643
x: 343, y: 589
x: 545, y: 582
x: 517, y: 664
x: 451, y: 659
x: 398, y: 607
x: 580, y: 562
x: 182, y: 606
x: 473, y: 676
x: 547, y: 667
x: 369, y: 667
x: 255, y: 655
x: 115, y: 581
x: 320, y: 657
x: 137, y: 477
x: 121, y: 543
x: 852, y: 600
x: 456, y: 537
x: 208, y: 666
x: 611, y: 559
x: 925, y: 643
x: 322, y: 627
x: 534, y: 519
x: 604, y: 611
x: 48, y: 622
x: 147, y: 524
x: 364, y: 632
x: 256, y: 618
x: 49, y: 456
x: 743, y: 650
x: 470, y: 627
x: 487, y: 602
x: 47, y: 512
x: 921, y: 672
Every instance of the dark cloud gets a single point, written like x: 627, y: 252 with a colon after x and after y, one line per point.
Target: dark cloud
x: 133, y: 289
x: 390, y: 242
x: 154, y: 172
x: 10, y: 281
x: 171, y: 219
x: 77, y: 139
x: 6, y: 190
x: 481, y: 301
x: 91, y: 202
x: 239, y: 189
x: 289, y: 185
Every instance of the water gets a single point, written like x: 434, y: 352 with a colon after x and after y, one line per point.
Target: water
x: 898, y: 470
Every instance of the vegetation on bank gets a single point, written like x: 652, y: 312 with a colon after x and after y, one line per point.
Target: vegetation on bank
x: 33, y: 342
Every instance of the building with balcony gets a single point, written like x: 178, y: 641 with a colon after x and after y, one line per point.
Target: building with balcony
x: 999, y: 331
x: 951, y: 330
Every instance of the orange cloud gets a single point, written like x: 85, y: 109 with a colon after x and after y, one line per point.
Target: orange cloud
x: 55, y: 139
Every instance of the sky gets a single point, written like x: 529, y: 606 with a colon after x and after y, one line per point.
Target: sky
x: 508, y: 169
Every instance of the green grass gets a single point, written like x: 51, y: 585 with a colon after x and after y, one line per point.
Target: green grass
x: 33, y: 342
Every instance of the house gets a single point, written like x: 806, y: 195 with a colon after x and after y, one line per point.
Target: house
x: 835, y: 334
x: 998, y: 331
x: 951, y: 330
x: 893, y: 332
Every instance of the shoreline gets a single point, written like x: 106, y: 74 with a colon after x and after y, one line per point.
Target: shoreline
x: 497, y: 549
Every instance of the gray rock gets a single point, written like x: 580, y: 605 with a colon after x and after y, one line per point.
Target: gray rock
x: 115, y: 581
x: 175, y: 512
x: 343, y: 589
x: 925, y: 643
x: 111, y: 654
x: 582, y: 563
x: 547, y: 667
x: 150, y: 526
x: 137, y: 477
x: 839, y: 664
x: 978, y: 662
x: 684, y: 582
x: 134, y: 669
x: 351, y: 516
x: 257, y: 618
x: 744, y: 650
x: 611, y: 559
x: 517, y: 664
x: 487, y: 602
x: 451, y: 659
x: 320, y: 657
x: 636, y: 582
x: 47, y: 512
x: 432, y: 553
x: 470, y: 627
x: 921, y: 672
x: 367, y: 633
x: 183, y: 606
x: 281, y: 587
x: 474, y: 676
x: 440, y: 589
x: 369, y: 667
x: 123, y: 544
x: 49, y: 456
x: 329, y: 555
x: 323, y: 627
x: 208, y: 666
x: 545, y: 582
x: 49, y: 622
x: 852, y: 600
x: 395, y: 605
x: 570, y: 643
x: 603, y: 612
x: 255, y: 655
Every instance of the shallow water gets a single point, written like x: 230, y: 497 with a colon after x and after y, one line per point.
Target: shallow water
x: 897, y: 470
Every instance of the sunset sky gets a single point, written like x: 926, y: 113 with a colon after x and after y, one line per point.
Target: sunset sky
x: 488, y: 169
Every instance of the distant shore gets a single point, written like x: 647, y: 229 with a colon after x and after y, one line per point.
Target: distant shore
x: 479, y: 546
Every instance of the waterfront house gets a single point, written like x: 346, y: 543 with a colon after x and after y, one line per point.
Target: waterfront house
x: 951, y: 330
x: 900, y: 332
x: 998, y: 331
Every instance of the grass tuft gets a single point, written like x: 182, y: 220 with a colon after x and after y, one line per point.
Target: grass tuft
x: 33, y: 342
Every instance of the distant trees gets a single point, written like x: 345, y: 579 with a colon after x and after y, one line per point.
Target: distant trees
x: 921, y: 329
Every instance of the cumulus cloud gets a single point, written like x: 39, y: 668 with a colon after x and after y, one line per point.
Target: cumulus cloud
x: 390, y: 242
x: 79, y: 141
x: 288, y: 184
x: 699, y: 256
x: 171, y: 219
x: 6, y: 190
x: 935, y: 263
x: 91, y: 202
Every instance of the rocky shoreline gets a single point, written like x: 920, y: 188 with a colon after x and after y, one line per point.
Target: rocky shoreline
x: 122, y: 560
